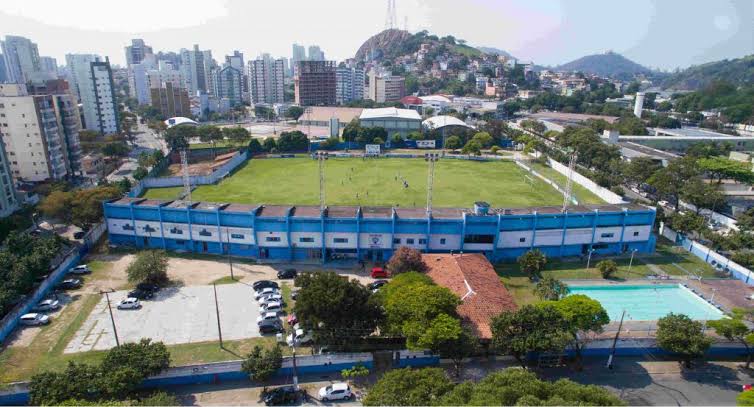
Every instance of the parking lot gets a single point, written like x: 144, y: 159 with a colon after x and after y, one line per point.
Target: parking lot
x: 175, y: 315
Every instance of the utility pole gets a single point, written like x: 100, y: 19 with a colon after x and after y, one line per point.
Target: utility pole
x: 569, y: 183
x: 631, y: 262
x: 431, y: 159
x: 589, y: 258
x: 615, y: 342
x: 230, y: 260
x: 217, y: 313
x: 322, y: 156
x: 112, y: 319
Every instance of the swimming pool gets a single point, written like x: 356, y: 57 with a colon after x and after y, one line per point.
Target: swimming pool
x: 649, y: 302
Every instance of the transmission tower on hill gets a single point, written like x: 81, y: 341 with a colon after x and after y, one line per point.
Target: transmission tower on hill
x: 391, y: 20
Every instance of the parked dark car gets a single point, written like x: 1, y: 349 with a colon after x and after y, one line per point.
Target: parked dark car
x: 272, y: 326
x: 79, y: 235
x: 141, y: 294
x: 69, y: 284
x: 148, y: 287
x: 282, y: 396
x: 287, y: 273
x: 258, y: 285
x: 377, y: 284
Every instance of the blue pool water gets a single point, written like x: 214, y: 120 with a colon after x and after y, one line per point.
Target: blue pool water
x: 649, y: 302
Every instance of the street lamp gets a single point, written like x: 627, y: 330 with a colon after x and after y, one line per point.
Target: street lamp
x: 230, y: 261
x: 630, y: 262
x: 110, y: 309
x: 589, y: 258
x: 431, y: 159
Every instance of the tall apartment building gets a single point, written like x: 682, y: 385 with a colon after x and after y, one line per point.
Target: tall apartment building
x: 8, y: 198
x: 32, y: 135
x: 21, y: 59
x: 349, y: 84
x: 92, y: 80
x: 299, y: 54
x: 171, y: 100
x: 138, y: 79
x: 3, y: 77
x: 49, y: 66
x: 267, y: 80
x: 237, y: 61
x: 384, y: 87
x: 69, y: 119
x: 315, y: 53
x: 137, y: 51
x: 210, y: 70
x: 228, y: 83
x: 193, y: 69
x: 314, y: 83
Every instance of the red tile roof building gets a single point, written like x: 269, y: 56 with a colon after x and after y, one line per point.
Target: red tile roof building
x: 473, y: 279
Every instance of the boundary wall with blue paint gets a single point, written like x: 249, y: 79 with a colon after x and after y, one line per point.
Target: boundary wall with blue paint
x: 709, y: 256
x: 71, y: 259
x: 215, y: 373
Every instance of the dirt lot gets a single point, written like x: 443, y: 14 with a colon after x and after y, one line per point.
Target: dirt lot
x: 201, y: 168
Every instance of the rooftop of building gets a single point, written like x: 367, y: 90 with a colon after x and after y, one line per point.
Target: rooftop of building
x: 325, y: 113
x: 690, y: 132
x: 632, y: 150
x: 438, y: 122
x: 389, y: 113
x: 473, y: 279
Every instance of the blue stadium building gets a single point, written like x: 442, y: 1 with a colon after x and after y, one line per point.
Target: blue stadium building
x: 295, y: 233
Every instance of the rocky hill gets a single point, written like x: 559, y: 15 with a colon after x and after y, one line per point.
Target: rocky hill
x: 738, y: 72
x: 496, y: 51
x: 388, y: 42
x: 608, y: 64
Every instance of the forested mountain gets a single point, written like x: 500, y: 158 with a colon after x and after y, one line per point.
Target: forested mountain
x: 608, y: 64
x: 738, y: 72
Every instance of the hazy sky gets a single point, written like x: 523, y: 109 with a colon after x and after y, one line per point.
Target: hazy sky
x: 659, y: 33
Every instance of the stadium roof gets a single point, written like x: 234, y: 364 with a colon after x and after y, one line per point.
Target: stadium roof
x: 177, y: 121
x: 411, y: 100
x: 389, y: 113
x: 436, y: 98
x: 438, y: 122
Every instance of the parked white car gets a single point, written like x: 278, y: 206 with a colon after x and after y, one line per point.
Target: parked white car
x: 272, y: 307
x: 302, y: 337
x: 129, y: 303
x: 270, y: 298
x: 34, y: 319
x: 266, y: 291
x: 80, y: 269
x: 266, y: 317
x: 335, y: 391
x: 47, y: 305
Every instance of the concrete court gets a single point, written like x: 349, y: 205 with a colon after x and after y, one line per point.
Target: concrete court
x: 174, y: 316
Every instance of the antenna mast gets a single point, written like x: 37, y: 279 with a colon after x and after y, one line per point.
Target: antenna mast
x: 431, y: 160
x: 186, y: 177
x: 569, y: 184
x: 391, y: 21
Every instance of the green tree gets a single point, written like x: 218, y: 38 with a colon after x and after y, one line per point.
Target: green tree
x: 585, y: 319
x: 607, y: 268
x: 409, y: 387
x: 670, y: 181
x: 290, y: 141
x: 114, y: 150
x: 57, y: 205
x: 406, y: 259
x: 549, y: 288
x: 140, y: 173
x: 532, y: 262
x: 702, y: 194
x: 688, y: 223
x: 356, y: 373
x: 294, y: 112
x: 745, y: 398
x: 149, y: 266
x: 77, y: 381
x: 539, y: 328
x: 255, y: 147
x: 484, y: 139
x: 352, y: 130
x: 411, y: 310
x: 517, y: 387
x: 261, y: 364
x: 735, y: 329
x: 270, y: 145
x: 210, y: 134
x: 147, y: 357
x: 472, y: 147
x: 721, y: 168
x: 237, y: 135
x: 641, y: 169
x: 679, y: 334
x: 453, y: 143
x: 330, y: 305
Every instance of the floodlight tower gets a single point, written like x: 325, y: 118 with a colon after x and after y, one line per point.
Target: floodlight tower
x: 569, y: 183
x: 431, y: 159
x: 322, y: 156
x: 186, y: 176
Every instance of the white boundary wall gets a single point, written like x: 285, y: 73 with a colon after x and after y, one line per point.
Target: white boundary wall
x: 604, y: 193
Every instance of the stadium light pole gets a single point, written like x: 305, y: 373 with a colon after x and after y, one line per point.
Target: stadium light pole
x: 431, y: 159
x: 322, y: 156
x: 110, y: 309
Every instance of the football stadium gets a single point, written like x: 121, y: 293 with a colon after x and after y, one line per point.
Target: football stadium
x: 270, y: 209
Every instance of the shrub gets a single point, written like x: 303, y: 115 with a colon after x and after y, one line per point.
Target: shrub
x: 607, y: 268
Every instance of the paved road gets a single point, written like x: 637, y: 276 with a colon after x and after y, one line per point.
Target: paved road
x: 144, y: 140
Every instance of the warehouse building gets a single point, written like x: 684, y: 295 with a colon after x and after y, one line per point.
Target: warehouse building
x: 293, y: 233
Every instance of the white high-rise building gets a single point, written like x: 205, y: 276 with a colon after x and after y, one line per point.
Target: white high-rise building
x: 267, y: 80
x: 33, y: 139
x: 138, y: 80
x: 49, y: 65
x: 299, y: 54
x: 8, y: 198
x: 315, y: 53
x: 229, y: 85
x: 193, y: 70
x: 137, y: 51
x: 92, y: 80
x: 21, y: 59
x: 349, y: 84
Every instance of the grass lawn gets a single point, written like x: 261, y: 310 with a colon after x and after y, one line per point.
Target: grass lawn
x: 219, y: 144
x: 677, y: 261
x: 583, y: 195
x: 376, y: 183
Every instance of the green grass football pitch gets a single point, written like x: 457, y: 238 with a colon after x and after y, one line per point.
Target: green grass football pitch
x: 378, y: 182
